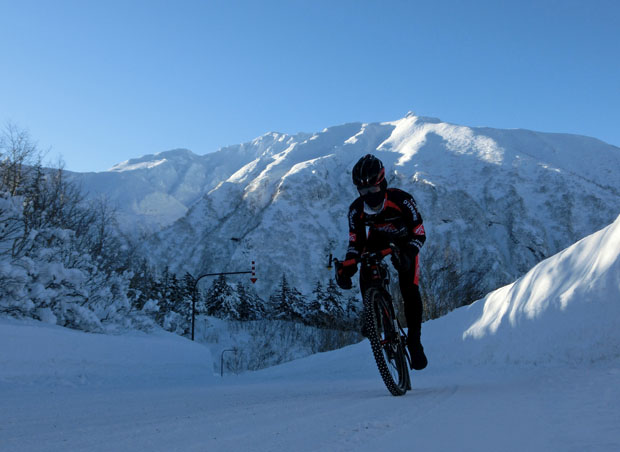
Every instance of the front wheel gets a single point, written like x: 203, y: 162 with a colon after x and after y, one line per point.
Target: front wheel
x: 387, y: 345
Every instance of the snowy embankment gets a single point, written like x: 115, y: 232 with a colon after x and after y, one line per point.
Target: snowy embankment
x: 566, y: 310
x: 36, y: 353
x: 533, y: 366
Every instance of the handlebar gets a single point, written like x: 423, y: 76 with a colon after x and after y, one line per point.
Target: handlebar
x: 365, y: 255
x: 371, y: 261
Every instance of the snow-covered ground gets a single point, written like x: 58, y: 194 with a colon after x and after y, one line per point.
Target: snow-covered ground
x: 533, y: 366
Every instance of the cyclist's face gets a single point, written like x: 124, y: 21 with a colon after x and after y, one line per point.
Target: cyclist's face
x: 373, y: 196
x: 368, y: 190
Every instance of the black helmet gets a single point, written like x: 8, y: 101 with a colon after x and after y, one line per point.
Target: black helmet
x: 368, y: 171
x: 369, y: 177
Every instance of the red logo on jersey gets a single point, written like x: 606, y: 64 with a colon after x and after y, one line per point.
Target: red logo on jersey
x: 419, y: 230
x: 352, y: 237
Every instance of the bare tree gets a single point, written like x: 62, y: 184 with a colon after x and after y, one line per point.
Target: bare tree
x: 18, y: 155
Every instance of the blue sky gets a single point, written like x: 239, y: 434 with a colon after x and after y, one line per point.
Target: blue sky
x: 101, y: 82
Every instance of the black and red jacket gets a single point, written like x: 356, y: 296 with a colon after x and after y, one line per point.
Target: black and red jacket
x: 399, y: 221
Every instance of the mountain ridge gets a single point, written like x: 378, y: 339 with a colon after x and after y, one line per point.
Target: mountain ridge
x: 495, y: 201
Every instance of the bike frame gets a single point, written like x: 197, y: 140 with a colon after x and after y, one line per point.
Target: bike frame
x: 379, y: 277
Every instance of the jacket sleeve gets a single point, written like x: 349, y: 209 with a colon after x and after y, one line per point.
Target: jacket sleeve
x: 417, y: 235
x: 357, y: 233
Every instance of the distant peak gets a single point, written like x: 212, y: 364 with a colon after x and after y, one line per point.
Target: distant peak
x: 180, y: 152
x: 137, y: 164
x: 270, y: 136
x: 428, y: 119
x: 152, y: 160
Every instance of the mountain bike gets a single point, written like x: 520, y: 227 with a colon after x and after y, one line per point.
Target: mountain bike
x: 380, y: 323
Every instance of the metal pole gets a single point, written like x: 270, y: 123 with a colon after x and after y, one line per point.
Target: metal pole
x: 194, y: 292
x: 193, y: 310
x: 223, y: 273
x: 222, y: 360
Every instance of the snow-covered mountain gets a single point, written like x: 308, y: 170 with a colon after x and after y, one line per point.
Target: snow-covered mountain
x: 153, y: 191
x: 495, y: 202
x: 533, y: 366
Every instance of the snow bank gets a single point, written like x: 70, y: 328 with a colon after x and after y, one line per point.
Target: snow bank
x: 565, y: 309
x: 33, y: 352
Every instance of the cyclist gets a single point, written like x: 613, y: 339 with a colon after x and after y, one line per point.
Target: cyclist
x: 391, y: 216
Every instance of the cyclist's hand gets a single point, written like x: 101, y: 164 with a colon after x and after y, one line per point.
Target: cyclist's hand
x: 344, y: 272
x: 344, y: 282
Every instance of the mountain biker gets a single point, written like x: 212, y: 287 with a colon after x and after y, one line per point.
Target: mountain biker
x: 391, y: 216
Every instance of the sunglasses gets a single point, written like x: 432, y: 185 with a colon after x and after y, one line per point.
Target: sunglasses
x: 370, y: 189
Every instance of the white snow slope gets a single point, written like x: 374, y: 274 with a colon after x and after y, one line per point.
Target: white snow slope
x: 532, y: 366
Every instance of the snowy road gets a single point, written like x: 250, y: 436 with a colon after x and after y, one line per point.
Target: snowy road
x: 333, y: 401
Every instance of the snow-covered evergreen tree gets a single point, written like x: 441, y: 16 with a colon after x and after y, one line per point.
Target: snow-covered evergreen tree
x: 318, y: 300
x: 222, y: 300
x: 287, y: 303
x: 251, y: 306
x: 353, y: 313
x: 326, y: 309
x: 334, y: 301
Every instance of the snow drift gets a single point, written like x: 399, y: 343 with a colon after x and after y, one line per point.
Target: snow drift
x: 565, y: 309
x: 33, y: 352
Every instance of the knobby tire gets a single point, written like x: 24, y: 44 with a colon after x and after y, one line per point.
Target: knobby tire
x: 386, y: 343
